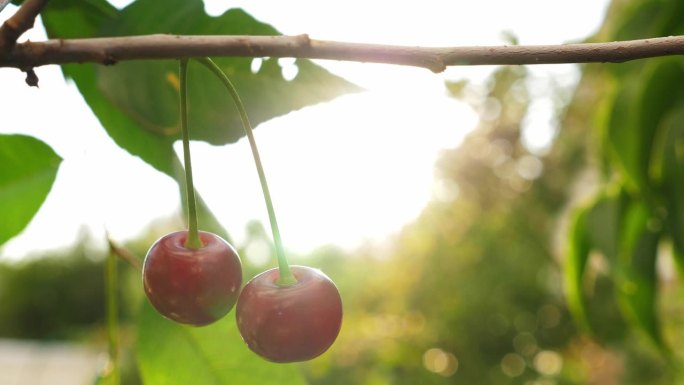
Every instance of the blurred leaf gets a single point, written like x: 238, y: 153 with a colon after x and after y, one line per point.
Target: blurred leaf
x: 456, y: 87
x: 29, y: 168
x: 673, y: 179
x: 169, y: 353
x: 633, y: 124
x: 575, y: 266
x: 595, y: 227
x: 636, y: 266
x: 603, y: 223
x: 623, y: 135
x: 644, y: 19
x: 660, y: 95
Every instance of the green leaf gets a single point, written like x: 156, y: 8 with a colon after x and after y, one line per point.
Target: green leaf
x: 70, y: 19
x: 633, y: 125
x: 84, y: 18
x: 576, y: 258
x: 644, y: 19
x: 661, y: 94
x: 603, y: 223
x: 29, y: 168
x: 636, y: 278
x: 673, y: 179
x: 623, y: 136
x: 594, y: 227
x: 172, y: 354
x: 137, y: 101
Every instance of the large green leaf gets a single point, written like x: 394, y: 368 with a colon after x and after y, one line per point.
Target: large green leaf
x: 603, y: 223
x: 636, y: 269
x: 660, y: 95
x: 622, y: 229
x: 633, y: 125
x: 172, y: 354
x: 673, y: 179
x: 28, y: 169
x: 590, y: 294
x: 576, y: 258
x: 137, y: 102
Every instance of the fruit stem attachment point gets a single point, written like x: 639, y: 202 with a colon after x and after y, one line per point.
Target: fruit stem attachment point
x: 286, y: 277
x: 193, y: 241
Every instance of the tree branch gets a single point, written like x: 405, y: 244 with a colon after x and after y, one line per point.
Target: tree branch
x: 19, y: 23
x: 109, y: 50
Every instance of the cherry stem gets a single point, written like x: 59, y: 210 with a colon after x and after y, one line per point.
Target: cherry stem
x: 193, y: 240
x: 286, y: 278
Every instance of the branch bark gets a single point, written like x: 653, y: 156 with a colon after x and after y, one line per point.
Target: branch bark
x: 109, y: 50
x: 19, y: 23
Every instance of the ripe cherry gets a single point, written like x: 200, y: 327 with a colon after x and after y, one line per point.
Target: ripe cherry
x: 192, y: 286
x: 289, y: 323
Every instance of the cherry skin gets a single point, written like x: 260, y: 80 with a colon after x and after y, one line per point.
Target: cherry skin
x: 289, y: 323
x: 192, y: 286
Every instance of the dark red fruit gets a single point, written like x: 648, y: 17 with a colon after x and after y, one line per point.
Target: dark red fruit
x: 192, y: 286
x: 291, y: 323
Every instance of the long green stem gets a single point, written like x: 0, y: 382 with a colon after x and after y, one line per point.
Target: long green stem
x: 193, y: 241
x: 286, y: 277
x: 112, y: 320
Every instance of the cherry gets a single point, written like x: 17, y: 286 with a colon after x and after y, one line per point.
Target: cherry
x: 290, y: 323
x: 192, y: 286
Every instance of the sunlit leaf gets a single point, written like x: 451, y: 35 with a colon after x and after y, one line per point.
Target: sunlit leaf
x: 172, y: 354
x: 28, y: 168
x: 137, y: 101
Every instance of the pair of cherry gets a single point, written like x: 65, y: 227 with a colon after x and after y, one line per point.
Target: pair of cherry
x: 288, y: 314
x: 282, y: 323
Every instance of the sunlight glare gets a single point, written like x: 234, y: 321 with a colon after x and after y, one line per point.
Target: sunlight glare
x: 358, y: 176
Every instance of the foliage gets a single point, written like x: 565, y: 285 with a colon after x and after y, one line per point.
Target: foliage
x: 468, y: 293
x: 29, y: 168
x: 638, y: 209
x: 472, y: 291
x: 53, y: 297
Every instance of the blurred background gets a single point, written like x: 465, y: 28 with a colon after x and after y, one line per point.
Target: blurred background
x: 437, y: 203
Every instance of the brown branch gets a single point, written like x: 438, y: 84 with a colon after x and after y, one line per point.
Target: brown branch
x: 109, y: 50
x: 19, y: 23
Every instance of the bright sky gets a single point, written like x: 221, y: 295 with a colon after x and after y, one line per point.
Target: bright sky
x: 352, y: 170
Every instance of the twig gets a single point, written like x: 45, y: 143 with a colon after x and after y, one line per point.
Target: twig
x: 19, y: 23
x: 124, y: 254
x: 109, y: 50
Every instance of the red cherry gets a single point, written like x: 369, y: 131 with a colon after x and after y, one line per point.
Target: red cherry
x: 289, y: 323
x: 192, y: 286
